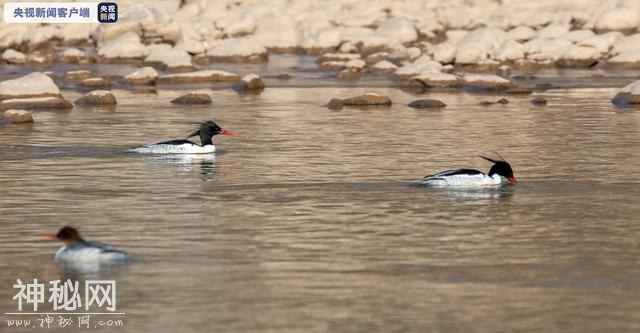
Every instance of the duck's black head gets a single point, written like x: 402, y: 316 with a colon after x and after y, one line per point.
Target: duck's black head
x: 501, y: 168
x: 207, y: 130
x: 67, y: 235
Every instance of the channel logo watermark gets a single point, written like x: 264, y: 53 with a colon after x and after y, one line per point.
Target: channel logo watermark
x: 71, y: 307
x: 60, y: 12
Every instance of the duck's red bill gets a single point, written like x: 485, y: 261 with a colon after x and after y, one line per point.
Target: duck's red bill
x: 49, y: 237
x: 227, y: 133
x: 513, y: 180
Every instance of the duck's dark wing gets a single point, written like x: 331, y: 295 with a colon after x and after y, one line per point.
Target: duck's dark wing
x: 455, y: 172
x: 104, y: 248
x: 175, y: 142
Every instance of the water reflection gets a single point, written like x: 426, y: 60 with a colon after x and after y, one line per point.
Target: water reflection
x: 205, y: 163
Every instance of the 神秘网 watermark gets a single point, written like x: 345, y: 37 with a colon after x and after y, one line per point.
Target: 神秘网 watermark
x: 71, y: 306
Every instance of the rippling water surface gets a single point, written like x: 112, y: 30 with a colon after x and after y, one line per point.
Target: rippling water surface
x: 307, y: 221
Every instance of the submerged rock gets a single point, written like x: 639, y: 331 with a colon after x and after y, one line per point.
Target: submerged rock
x: 486, y: 82
x: 332, y: 65
x: 335, y: 104
x: 33, y: 103
x: 433, y: 80
x: 502, y: 101
x: 96, y: 82
x: 199, y: 76
x: 284, y: 76
x: 519, y: 90
x: 144, y: 75
x: 193, y: 98
x: 249, y: 82
x: 77, y: 75
x: 97, y: 97
x: 427, y: 104
x: 338, y: 57
x: 368, y: 99
x: 35, y: 84
x: 630, y: 94
x: 18, y: 116
x: 538, y: 101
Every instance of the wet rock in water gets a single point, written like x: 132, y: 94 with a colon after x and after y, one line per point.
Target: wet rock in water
x: 630, y: 94
x: 384, y: 66
x: 205, y: 76
x: 144, y: 75
x: 249, y: 82
x: 626, y: 59
x: 333, y: 65
x: 125, y: 46
x: 422, y: 65
x: 77, y: 75
x: 538, y: 101
x: 343, y: 57
x: 335, y: 104
x: 433, y: 80
x: 519, y: 90
x: 14, y: 57
x: 96, y: 82
x: 170, y: 59
x: 193, y: 98
x: 579, y: 56
x: 97, y: 97
x: 349, y: 74
x: 36, y: 84
x: 17, y: 116
x: 50, y: 74
x: 427, y: 104
x: 486, y: 82
x: 35, y: 103
x: 368, y: 99
x: 72, y: 55
x: 284, y: 76
x: 502, y: 101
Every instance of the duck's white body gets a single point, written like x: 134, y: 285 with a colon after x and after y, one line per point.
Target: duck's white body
x: 90, y: 252
x: 175, y: 147
x: 462, y: 178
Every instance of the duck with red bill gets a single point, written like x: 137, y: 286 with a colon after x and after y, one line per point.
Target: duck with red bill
x: 206, y: 131
x: 76, y: 249
x: 473, y: 178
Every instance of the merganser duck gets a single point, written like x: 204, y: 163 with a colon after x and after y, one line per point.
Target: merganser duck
x: 470, y: 177
x: 207, y: 130
x: 77, y: 250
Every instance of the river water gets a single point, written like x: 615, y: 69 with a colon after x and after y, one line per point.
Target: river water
x: 308, y: 220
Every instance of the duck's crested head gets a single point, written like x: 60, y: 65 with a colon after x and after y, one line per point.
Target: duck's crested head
x: 208, y: 129
x: 501, y: 168
x: 66, y: 234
